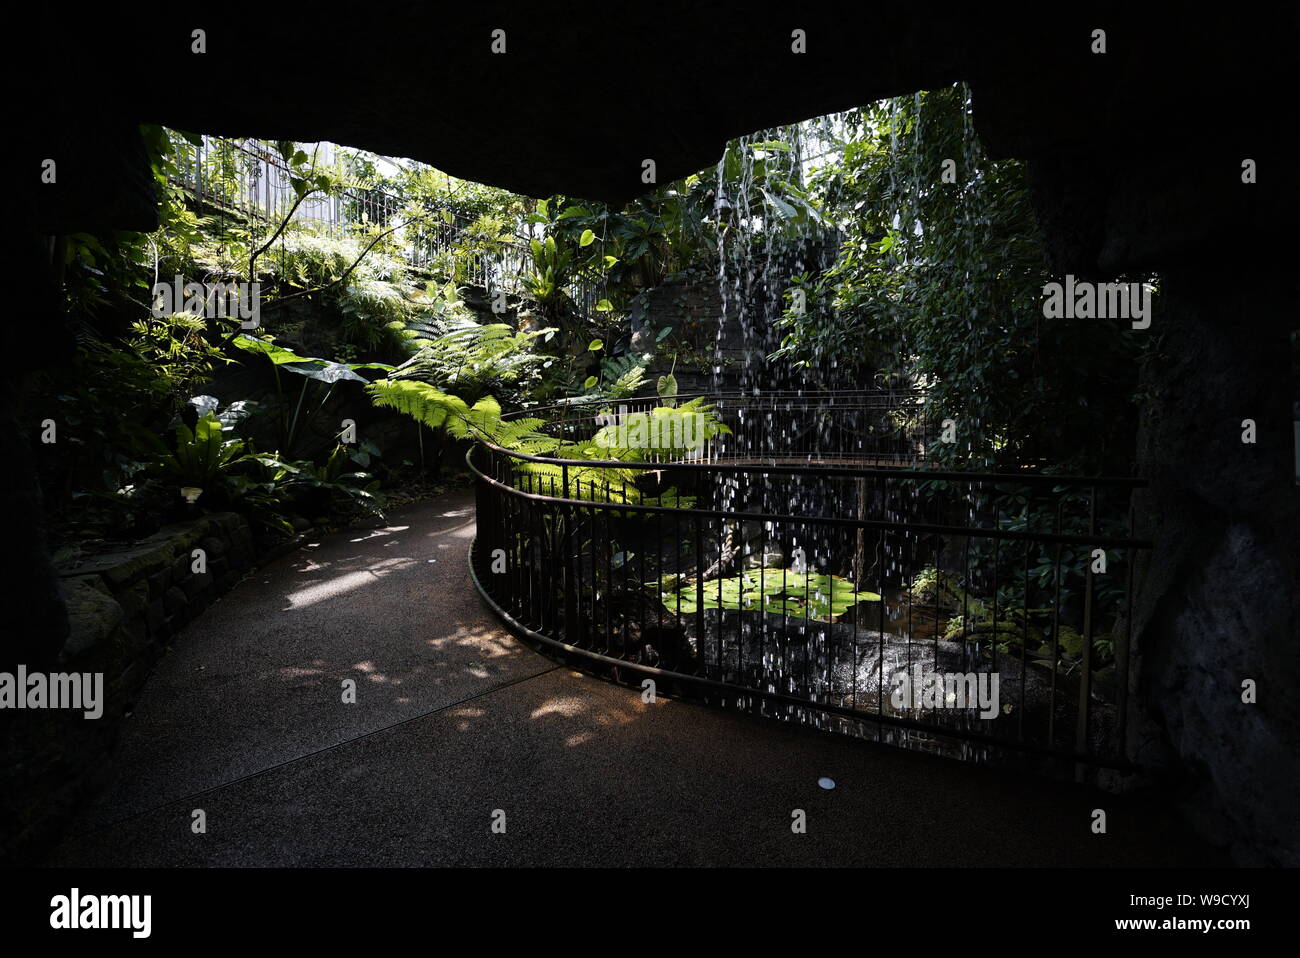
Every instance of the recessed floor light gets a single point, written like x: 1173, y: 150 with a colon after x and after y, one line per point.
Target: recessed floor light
x: 826, y: 783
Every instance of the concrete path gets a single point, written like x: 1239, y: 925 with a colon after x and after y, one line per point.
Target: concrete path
x: 454, y: 719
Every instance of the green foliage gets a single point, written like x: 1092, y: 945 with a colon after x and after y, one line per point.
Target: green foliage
x: 779, y: 591
x: 452, y: 414
x: 1011, y: 633
x: 134, y: 370
x: 666, y: 386
x: 202, y: 453
x: 179, y: 349
x: 290, y: 480
x: 620, y: 377
x: 935, y: 589
x: 762, y: 178
x: 663, y: 232
x: 1029, y: 631
x: 598, y: 484
x: 369, y: 290
x: 458, y: 355
x: 552, y: 271
x: 324, y: 372
x: 455, y: 418
x: 321, y: 370
x: 940, y: 283
x: 114, y: 271
x: 667, y: 431
x: 230, y: 473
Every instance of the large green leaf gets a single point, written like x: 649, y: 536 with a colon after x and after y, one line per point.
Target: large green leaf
x: 276, y: 354
x: 324, y: 370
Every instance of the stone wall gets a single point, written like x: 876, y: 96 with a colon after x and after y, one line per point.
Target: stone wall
x: 1218, y: 604
x: 1124, y: 180
x: 693, y: 310
x: 123, y: 610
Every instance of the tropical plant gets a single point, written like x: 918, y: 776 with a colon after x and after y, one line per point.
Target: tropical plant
x: 459, y: 355
x: 202, y: 453
x: 938, y: 281
x: 179, y: 347
x: 335, y: 478
x: 664, y: 432
x: 326, y: 373
x: 209, y: 464
x: 553, y: 268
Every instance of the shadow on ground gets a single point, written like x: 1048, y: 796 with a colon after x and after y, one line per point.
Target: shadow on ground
x: 454, y: 720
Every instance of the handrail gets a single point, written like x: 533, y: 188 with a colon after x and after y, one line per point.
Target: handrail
x: 725, y: 688
x: 964, y: 572
x: 723, y: 466
x: 735, y: 515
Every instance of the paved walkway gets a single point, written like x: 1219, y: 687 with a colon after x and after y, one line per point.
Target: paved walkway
x: 454, y: 719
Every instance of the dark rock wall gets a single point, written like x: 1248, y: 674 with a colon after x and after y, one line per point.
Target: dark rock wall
x: 693, y: 310
x: 123, y: 609
x: 1136, y: 160
x: 1218, y: 602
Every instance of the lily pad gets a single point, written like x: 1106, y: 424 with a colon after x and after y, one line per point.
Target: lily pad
x: 801, y: 594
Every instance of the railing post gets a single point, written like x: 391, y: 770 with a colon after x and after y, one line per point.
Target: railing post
x: 1123, y: 642
x: 570, y: 585
x: 797, y: 669
x: 1085, y: 669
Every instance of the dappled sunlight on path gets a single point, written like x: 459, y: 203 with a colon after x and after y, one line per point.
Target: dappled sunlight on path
x: 452, y: 718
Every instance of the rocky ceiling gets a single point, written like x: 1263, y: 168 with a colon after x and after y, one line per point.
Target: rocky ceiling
x: 1135, y: 157
x: 583, y: 95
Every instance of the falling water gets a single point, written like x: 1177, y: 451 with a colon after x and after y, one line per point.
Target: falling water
x: 760, y: 250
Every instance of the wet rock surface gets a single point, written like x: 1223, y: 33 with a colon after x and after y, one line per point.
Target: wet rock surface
x: 124, y: 610
x: 838, y: 664
x: 1124, y: 179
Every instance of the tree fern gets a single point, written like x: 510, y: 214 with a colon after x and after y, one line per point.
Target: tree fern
x: 456, y: 354
x: 624, y: 375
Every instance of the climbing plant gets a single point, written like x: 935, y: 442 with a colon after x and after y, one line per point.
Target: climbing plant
x: 938, y: 282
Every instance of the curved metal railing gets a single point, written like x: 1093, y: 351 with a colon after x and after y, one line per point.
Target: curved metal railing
x: 813, y: 565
